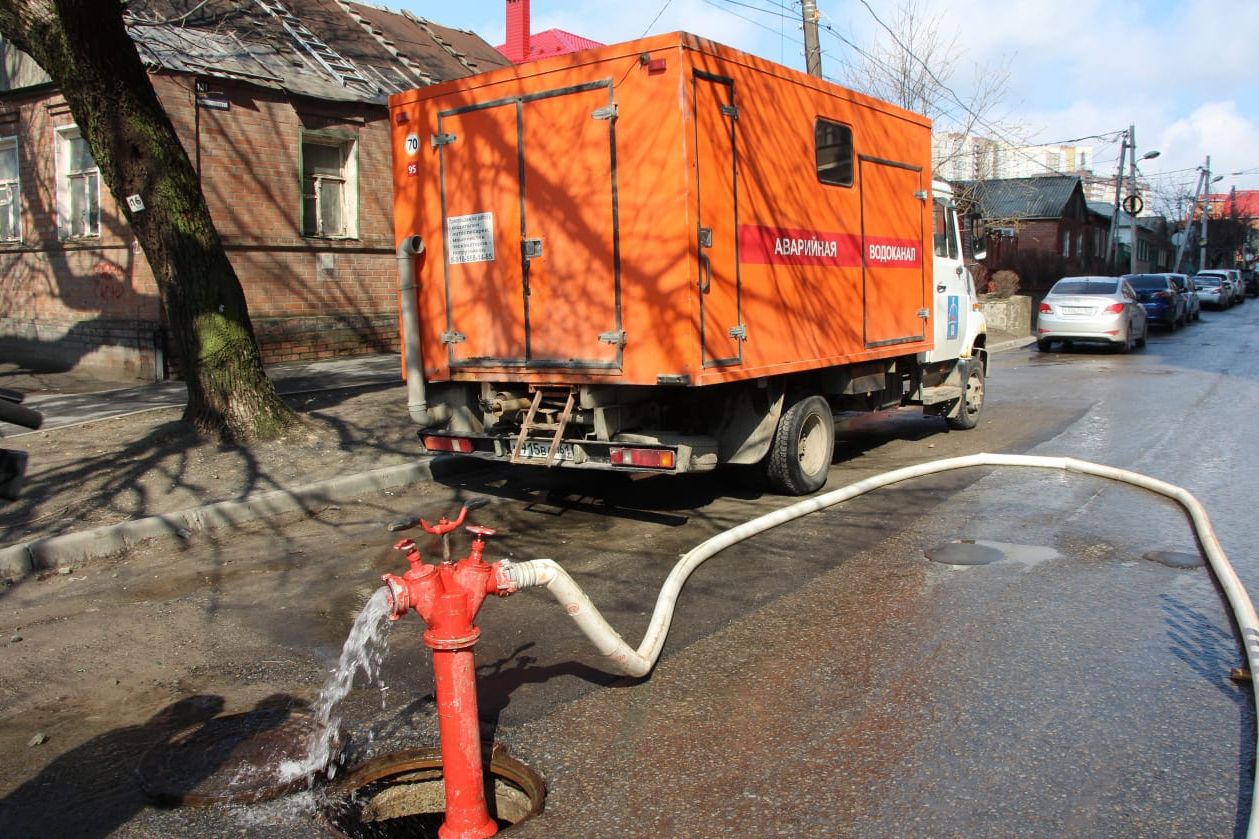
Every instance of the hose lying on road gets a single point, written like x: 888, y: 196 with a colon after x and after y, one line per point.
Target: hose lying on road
x: 640, y: 661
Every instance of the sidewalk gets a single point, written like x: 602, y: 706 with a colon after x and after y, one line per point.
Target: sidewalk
x: 111, y: 465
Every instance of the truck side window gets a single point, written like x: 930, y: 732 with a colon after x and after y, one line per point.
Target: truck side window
x: 833, y: 145
x: 944, y: 229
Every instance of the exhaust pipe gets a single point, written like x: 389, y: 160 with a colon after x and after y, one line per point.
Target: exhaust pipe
x: 417, y: 398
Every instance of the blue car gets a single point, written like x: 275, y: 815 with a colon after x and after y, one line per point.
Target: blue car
x: 1160, y: 298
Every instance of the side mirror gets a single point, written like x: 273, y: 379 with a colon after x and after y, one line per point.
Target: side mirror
x: 979, y: 248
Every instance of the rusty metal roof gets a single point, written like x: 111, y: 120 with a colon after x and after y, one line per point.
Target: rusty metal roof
x: 326, y: 49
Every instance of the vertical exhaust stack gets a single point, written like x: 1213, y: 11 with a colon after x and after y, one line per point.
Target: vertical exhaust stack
x: 417, y: 396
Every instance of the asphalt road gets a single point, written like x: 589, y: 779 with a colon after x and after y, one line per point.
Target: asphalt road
x: 825, y: 679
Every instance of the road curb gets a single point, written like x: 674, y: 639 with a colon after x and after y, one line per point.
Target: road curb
x: 1012, y: 344
x: 72, y: 548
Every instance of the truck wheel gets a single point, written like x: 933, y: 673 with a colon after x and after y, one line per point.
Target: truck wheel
x: 803, y: 446
x: 972, y: 401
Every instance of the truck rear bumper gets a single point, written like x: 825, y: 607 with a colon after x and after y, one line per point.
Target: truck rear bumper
x: 658, y: 453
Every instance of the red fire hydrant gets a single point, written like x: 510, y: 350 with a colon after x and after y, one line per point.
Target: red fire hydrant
x: 447, y: 597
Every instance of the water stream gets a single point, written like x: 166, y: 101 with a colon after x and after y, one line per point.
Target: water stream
x: 364, y: 649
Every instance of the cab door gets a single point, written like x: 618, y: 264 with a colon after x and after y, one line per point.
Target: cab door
x: 951, y: 289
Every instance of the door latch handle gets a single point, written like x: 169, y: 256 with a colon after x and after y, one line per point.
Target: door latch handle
x: 941, y: 288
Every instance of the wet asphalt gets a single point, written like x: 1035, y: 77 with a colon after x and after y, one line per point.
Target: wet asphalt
x: 827, y: 679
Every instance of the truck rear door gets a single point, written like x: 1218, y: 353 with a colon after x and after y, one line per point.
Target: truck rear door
x: 532, y: 246
x: 716, y: 124
x: 892, y: 199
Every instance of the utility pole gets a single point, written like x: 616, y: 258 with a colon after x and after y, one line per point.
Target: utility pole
x: 1114, y: 212
x: 812, y: 49
x: 1132, y: 197
x: 1206, y: 215
x: 1189, y: 221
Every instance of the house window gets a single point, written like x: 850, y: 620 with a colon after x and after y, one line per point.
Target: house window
x: 833, y: 148
x: 1066, y: 244
x: 10, y: 190
x: 78, y: 186
x: 329, y: 187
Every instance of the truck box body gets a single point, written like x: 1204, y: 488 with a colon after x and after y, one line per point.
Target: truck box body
x: 664, y: 211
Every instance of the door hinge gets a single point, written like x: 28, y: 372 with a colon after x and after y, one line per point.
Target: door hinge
x: 730, y: 111
x: 441, y: 139
x: 921, y: 195
x: 924, y: 313
x: 453, y: 337
x: 705, y: 237
x: 606, y: 112
x: 531, y: 248
x: 616, y: 338
x: 739, y: 332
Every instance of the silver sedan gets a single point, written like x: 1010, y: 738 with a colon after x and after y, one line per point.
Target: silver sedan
x: 1093, y: 309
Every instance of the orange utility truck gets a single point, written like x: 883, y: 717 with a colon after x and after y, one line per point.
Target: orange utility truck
x: 668, y: 255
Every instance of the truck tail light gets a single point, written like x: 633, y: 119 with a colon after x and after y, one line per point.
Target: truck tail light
x: 649, y: 458
x: 448, y: 444
x: 1113, y: 309
x: 1046, y: 309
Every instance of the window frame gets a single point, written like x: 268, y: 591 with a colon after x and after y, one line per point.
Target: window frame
x: 15, y: 191
x: 347, y: 143
x: 817, y: 154
x: 65, y: 136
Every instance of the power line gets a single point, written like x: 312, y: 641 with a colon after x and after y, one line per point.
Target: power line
x: 657, y: 17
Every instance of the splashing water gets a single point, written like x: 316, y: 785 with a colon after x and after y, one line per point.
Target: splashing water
x: 364, y: 649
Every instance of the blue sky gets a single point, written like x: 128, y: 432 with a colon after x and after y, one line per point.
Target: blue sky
x: 1184, y: 72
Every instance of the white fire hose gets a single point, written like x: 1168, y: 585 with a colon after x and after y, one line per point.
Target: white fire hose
x: 640, y: 661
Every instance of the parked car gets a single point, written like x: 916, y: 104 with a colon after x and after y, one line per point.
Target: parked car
x: 1211, y: 291
x: 1231, y: 279
x: 1092, y: 309
x: 1189, y: 292
x: 1250, y: 279
x: 1162, y: 301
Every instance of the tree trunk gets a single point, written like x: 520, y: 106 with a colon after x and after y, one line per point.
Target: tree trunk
x: 84, y: 46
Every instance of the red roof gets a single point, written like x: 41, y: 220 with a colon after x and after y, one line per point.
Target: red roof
x: 1247, y: 204
x: 550, y: 43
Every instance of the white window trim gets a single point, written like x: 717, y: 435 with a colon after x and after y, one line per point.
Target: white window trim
x: 348, y: 179
x: 65, y: 134
x: 15, y: 189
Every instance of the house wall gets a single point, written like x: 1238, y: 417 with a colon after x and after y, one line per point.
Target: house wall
x: 93, y: 303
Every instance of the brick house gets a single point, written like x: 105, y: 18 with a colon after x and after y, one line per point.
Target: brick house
x: 283, y: 113
x: 1041, y: 228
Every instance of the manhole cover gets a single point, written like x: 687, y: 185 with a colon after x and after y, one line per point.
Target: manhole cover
x: 402, y: 795
x: 236, y: 758
x: 1176, y: 559
x: 963, y: 553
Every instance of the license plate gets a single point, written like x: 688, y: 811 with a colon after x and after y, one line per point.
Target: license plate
x: 1077, y: 310
x: 539, y: 449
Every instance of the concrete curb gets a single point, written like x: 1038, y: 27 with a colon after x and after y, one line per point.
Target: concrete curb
x: 71, y: 548
x: 1012, y: 344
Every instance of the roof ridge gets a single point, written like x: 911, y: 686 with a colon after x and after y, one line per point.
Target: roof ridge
x: 439, y: 40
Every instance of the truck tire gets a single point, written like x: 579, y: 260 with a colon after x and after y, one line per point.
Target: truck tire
x: 972, y: 401
x: 804, y: 443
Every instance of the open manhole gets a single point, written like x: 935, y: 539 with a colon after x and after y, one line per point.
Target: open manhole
x: 236, y: 759
x: 402, y: 795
